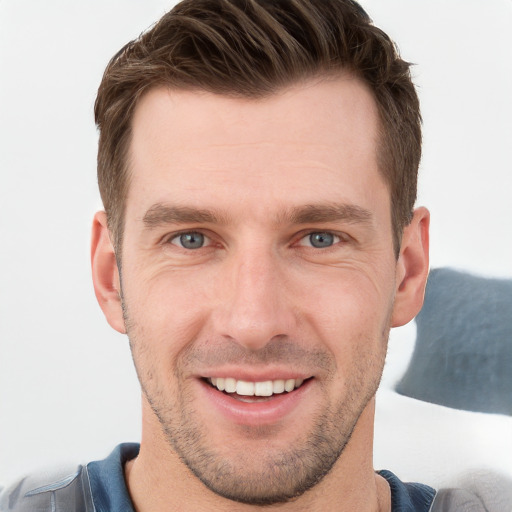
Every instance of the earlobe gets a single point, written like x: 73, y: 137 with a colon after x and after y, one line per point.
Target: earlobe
x: 105, y: 273
x: 412, y: 269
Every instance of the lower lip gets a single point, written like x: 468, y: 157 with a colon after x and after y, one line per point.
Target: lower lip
x: 256, y: 413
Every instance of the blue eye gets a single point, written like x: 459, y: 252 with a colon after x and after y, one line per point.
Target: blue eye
x: 321, y: 240
x: 192, y: 240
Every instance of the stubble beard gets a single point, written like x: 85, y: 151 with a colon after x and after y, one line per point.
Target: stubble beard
x: 271, y: 476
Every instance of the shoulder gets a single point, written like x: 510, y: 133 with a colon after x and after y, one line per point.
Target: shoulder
x: 97, y: 486
x: 66, y: 489
x: 408, y: 496
x: 475, y: 491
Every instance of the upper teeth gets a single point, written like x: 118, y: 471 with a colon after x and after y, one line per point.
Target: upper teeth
x: 245, y: 388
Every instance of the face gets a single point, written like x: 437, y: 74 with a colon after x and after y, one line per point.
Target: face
x: 258, y: 279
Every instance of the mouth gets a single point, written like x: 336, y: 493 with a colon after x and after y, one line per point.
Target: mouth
x: 256, y: 403
x: 254, y: 391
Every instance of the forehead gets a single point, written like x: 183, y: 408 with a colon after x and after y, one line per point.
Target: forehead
x: 316, y: 138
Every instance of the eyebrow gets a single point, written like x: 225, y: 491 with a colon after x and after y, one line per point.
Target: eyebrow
x: 329, y: 213
x: 161, y: 214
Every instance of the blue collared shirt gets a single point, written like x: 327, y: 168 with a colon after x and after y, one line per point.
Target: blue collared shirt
x: 99, y: 486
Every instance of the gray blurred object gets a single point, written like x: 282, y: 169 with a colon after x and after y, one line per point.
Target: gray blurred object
x: 476, y: 491
x: 463, y: 353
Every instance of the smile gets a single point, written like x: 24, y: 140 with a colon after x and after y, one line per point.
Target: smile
x: 246, y: 388
x: 256, y: 402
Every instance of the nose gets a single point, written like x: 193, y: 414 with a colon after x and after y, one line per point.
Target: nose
x: 255, y: 304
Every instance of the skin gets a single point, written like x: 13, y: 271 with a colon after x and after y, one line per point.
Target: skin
x: 258, y: 301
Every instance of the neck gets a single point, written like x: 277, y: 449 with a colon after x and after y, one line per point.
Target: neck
x: 158, y: 481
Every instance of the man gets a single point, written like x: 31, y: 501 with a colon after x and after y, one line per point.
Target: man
x: 258, y: 164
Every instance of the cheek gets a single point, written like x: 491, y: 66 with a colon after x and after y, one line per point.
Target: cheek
x: 351, y: 308
x: 354, y: 327
x: 165, y: 313
x: 164, y: 292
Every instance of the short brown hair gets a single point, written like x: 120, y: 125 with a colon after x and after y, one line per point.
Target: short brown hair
x: 253, y: 48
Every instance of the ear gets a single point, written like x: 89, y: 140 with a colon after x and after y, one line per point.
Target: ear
x: 105, y: 274
x: 412, y: 269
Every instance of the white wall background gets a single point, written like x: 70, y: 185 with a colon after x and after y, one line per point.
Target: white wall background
x: 67, y: 388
